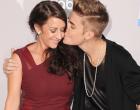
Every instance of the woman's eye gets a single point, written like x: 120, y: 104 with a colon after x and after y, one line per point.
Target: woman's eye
x: 53, y: 31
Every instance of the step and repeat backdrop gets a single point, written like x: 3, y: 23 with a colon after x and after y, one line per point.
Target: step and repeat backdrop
x: 123, y: 28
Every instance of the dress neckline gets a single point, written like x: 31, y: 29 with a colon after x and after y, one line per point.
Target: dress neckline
x: 30, y: 55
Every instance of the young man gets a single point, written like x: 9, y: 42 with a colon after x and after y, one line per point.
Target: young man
x: 110, y: 79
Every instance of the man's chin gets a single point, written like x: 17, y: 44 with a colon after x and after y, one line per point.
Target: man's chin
x: 65, y: 41
x: 68, y: 43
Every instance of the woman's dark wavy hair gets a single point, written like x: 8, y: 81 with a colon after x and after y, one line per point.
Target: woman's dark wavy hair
x: 64, y: 58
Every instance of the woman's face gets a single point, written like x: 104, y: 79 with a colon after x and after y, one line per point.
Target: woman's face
x: 51, y: 32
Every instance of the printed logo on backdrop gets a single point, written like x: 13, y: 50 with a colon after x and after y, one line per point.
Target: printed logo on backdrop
x: 21, y: 2
x: 138, y: 20
x: 66, y: 4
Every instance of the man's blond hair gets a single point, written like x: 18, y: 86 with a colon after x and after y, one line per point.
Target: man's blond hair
x: 94, y: 13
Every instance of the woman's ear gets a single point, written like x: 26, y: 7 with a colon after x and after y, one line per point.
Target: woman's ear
x: 37, y: 29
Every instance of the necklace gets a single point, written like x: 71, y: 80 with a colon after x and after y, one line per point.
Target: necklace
x: 96, y: 71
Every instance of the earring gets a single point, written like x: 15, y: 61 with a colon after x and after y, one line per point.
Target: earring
x: 39, y: 33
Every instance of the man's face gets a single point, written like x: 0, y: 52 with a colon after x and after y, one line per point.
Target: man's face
x: 75, y: 30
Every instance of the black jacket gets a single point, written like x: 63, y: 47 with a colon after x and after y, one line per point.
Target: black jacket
x: 122, y: 80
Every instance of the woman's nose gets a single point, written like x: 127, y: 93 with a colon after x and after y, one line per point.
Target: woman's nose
x: 60, y: 35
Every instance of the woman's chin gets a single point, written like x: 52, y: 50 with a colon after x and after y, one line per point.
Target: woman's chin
x: 53, y: 46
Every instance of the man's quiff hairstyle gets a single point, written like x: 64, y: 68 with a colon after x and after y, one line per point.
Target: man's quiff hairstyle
x: 94, y: 14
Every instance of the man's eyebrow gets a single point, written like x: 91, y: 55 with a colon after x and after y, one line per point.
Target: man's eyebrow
x: 71, y: 22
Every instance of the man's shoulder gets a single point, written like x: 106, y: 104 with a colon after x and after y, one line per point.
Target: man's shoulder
x: 117, y: 50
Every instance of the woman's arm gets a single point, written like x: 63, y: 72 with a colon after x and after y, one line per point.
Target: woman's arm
x: 14, y: 86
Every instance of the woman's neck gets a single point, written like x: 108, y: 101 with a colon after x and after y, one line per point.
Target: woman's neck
x: 38, y: 51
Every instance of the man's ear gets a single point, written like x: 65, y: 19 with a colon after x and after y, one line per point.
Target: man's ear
x: 89, y: 35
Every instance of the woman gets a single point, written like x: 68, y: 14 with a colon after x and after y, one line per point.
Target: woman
x: 43, y: 79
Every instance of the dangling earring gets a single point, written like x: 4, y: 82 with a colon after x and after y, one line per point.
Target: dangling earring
x: 38, y: 34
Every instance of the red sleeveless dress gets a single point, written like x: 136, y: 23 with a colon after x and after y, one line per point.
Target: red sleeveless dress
x: 42, y: 90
